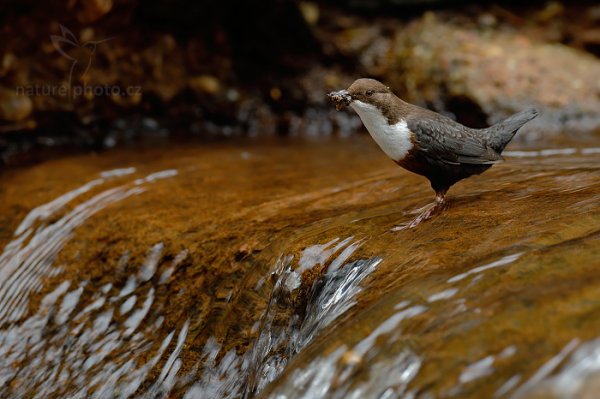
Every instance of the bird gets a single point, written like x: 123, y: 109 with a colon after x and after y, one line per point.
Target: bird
x: 425, y: 142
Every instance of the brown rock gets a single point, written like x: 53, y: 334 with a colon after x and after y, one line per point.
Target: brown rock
x: 205, y: 84
x: 8, y: 61
x: 482, y: 76
x: 14, y: 107
x: 271, y: 241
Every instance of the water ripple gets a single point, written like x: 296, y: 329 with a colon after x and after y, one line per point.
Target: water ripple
x: 60, y: 350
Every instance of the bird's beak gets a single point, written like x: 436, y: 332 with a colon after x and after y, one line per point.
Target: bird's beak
x: 340, y: 98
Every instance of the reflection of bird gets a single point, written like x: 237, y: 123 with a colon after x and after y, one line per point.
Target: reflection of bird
x: 80, y: 54
x: 425, y: 142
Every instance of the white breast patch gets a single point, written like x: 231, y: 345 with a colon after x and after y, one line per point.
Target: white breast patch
x: 394, y: 140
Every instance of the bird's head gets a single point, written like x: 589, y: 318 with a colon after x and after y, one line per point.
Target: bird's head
x: 362, y: 93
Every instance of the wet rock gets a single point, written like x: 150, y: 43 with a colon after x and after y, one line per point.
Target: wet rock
x: 271, y: 270
x: 482, y: 76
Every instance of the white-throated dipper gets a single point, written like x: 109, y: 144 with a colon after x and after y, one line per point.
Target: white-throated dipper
x: 425, y: 142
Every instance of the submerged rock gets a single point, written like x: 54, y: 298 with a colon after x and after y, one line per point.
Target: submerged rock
x: 272, y: 271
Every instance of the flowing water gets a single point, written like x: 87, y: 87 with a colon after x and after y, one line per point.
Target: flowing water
x: 276, y: 271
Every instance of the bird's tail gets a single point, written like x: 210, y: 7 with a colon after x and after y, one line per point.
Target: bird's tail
x: 500, y: 134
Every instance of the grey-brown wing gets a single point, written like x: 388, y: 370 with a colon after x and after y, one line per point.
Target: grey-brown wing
x: 451, y: 143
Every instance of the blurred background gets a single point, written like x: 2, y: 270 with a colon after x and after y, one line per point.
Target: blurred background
x: 183, y: 214
x: 83, y: 75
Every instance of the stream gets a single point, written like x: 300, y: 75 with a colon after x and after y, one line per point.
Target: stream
x: 274, y: 270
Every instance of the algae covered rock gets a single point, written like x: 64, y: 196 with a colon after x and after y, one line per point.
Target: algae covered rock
x: 271, y: 271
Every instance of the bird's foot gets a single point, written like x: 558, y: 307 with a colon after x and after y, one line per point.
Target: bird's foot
x: 420, y: 210
x: 428, y: 212
x: 436, y: 209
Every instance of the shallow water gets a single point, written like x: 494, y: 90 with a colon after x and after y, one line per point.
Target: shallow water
x: 274, y: 270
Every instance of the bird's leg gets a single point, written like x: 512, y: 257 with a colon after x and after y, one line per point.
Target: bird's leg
x: 440, y: 197
x: 432, y: 210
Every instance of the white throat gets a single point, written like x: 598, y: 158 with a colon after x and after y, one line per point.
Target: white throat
x: 394, y: 140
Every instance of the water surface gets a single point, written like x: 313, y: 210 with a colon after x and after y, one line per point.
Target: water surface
x: 275, y: 271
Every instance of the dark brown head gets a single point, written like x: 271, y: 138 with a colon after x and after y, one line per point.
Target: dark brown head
x: 368, y: 96
x: 369, y: 91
